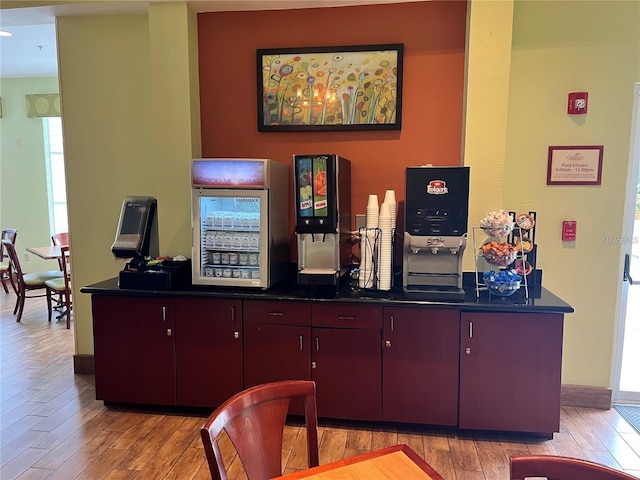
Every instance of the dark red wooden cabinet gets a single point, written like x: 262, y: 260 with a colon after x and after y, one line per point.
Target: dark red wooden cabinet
x: 420, y: 360
x: 341, y: 352
x: 510, y: 367
x: 208, y: 346
x: 346, y: 360
x: 408, y: 364
x: 276, y: 341
x: 345, y: 364
x: 134, y: 349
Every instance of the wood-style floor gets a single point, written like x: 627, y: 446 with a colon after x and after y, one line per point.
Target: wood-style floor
x: 53, y: 427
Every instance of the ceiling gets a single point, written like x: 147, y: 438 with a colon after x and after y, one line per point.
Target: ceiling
x: 31, y: 51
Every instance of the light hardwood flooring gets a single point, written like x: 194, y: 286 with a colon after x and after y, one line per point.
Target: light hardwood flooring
x: 53, y: 427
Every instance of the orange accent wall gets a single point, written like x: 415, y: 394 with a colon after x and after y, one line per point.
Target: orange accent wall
x: 433, y: 34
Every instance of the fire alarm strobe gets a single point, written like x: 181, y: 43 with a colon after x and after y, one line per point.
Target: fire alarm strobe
x: 577, y: 103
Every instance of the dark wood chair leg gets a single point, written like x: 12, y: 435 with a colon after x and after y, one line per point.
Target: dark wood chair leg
x: 20, y: 307
x: 15, y: 309
x: 49, y: 308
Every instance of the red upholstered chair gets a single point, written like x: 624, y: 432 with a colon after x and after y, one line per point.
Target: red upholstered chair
x: 26, y: 282
x: 254, y: 421
x: 5, y: 265
x: 562, y: 468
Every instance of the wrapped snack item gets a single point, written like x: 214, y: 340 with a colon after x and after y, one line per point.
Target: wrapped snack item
x: 525, y: 221
x: 523, y: 244
x: 498, y: 223
x: 503, y: 282
x: 498, y: 253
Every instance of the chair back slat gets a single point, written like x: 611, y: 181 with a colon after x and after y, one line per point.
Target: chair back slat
x: 60, y: 239
x: 16, y: 269
x: 254, y: 421
x: 7, y: 234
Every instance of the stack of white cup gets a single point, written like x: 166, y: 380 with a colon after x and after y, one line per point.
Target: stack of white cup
x: 372, y: 212
x: 390, y: 199
x: 385, y: 257
x: 368, y: 253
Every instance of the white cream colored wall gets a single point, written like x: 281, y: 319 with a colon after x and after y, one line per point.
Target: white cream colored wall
x: 486, y: 100
x: 104, y: 83
x: 23, y: 185
x: 129, y: 105
x: 561, y: 47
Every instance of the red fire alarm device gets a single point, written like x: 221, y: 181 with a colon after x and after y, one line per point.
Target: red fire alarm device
x: 569, y: 228
x: 577, y: 103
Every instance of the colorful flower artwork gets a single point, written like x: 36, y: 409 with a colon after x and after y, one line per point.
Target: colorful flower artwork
x: 332, y: 88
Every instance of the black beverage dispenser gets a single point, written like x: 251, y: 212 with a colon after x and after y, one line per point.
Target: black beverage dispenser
x: 436, y: 216
x: 322, y: 185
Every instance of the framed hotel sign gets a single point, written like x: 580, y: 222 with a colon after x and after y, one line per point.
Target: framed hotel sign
x: 330, y: 88
x: 575, y: 165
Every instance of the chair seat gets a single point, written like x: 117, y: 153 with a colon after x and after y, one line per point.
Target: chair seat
x: 56, y: 284
x: 39, y: 278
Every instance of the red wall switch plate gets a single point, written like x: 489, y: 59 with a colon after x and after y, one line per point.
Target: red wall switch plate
x: 569, y: 228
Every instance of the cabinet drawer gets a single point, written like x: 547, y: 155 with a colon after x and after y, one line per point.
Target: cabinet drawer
x: 277, y: 313
x: 347, y: 315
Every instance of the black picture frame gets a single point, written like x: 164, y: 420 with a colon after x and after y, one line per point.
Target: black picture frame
x: 330, y: 88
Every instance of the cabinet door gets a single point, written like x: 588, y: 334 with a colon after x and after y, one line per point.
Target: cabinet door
x: 510, y: 367
x: 134, y: 349
x: 208, y: 350
x: 420, y: 365
x: 346, y: 367
x: 276, y: 352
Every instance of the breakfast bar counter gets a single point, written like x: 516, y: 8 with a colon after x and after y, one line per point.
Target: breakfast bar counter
x: 539, y: 299
x: 480, y: 364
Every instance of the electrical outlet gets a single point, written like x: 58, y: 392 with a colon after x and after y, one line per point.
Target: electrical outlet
x: 26, y: 257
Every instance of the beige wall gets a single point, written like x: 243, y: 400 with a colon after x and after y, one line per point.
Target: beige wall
x: 23, y: 184
x: 118, y: 145
x: 128, y: 107
x: 562, y: 47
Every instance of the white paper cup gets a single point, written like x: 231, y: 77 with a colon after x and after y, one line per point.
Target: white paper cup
x: 390, y: 196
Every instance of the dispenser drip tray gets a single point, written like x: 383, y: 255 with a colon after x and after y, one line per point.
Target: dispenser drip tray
x: 438, y: 294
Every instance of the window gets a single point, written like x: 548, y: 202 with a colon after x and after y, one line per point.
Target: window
x: 56, y: 182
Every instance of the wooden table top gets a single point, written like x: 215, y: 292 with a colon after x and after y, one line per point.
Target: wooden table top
x: 49, y: 252
x: 393, y: 463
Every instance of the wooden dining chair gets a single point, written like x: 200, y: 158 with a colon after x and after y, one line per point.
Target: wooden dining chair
x: 59, y: 240
x: 26, y: 282
x: 254, y: 421
x: 5, y: 264
x: 61, y: 287
x: 555, y: 467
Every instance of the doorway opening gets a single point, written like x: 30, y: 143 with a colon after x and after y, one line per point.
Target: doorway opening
x: 627, y: 387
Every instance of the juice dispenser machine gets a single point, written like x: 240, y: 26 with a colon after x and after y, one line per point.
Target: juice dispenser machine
x: 436, y: 216
x: 322, y: 194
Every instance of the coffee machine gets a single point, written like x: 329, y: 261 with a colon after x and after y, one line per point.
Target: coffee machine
x: 322, y: 186
x: 436, y: 216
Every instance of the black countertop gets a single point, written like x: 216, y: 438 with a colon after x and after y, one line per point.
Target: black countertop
x: 539, y: 300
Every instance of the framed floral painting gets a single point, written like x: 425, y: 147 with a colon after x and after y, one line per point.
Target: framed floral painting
x: 330, y: 88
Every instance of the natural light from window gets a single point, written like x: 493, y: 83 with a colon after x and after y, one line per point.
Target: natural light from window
x: 56, y: 182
